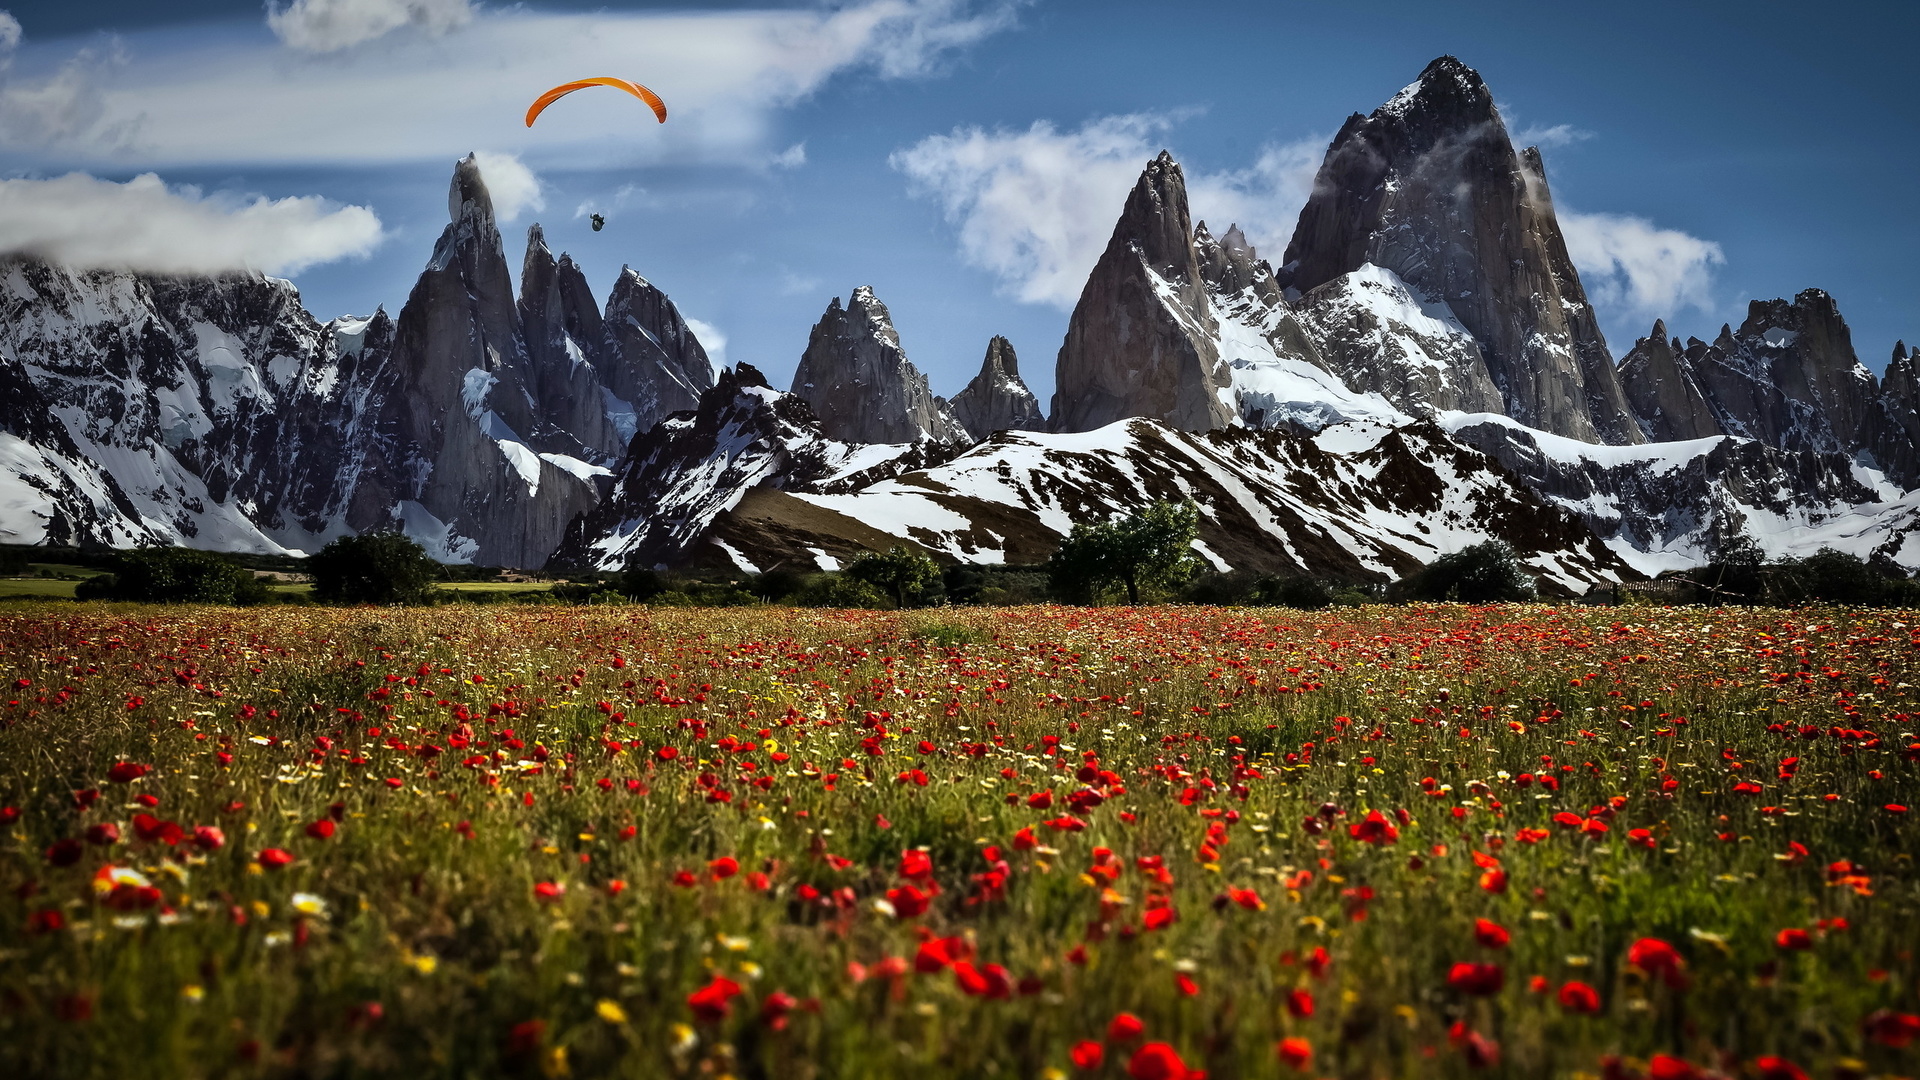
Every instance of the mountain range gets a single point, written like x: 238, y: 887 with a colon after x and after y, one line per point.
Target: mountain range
x: 1422, y: 371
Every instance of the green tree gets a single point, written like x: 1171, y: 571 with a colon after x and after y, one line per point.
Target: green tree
x: 1149, y: 549
x: 373, y: 568
x: 908, y: 576
x: 1486, y: 573
x: 1830, y: 575
x: 169, y: 575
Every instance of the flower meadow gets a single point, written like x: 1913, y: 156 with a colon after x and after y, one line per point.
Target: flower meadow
x: 1153, y: 843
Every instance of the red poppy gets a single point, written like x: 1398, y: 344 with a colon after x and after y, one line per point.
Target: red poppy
x: 525, y: 1037
x: 1157, y: 1061
x: 1778, y: 1068
x: 1480, y: 1051
x: 126, y: 772
x: 1897, y: 1030
x: 1159, y: 918
x: 1296, y: 1052
x: 1656, y: 957
x: 1300, y: 1003
x: 549, y: 892
x: 1479, y: 980
x: 1087, y: 1055
x: 723, y: 867
x: 909, y: 901
x: 1491, y: 934
x: 1494, y: 881
x: 104, y: 834
x: 274, y: 858
x: 937, y: 953
x: 712, y: 1002
x: 1578, y: 997
x: 915, y: 865
x: 1668, y: 1067
x: 1374, y: 829
x: 775, y: 1007
x: 1125, y: 1028
x: 1793, y: 938
x: 321, y: 830
x: 209, y: 838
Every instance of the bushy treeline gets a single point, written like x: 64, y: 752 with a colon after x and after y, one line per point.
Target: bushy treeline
x: 1741, y: 574
x: 1146, y: 557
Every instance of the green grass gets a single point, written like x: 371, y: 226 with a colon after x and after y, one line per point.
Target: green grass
x: 462, y: 753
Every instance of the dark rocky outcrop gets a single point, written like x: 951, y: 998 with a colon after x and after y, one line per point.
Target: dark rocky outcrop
x: 1142, y: 340
x: 860, y: 383
x: 1430, y: 187
x: 1788, y: 377
x: 649, y: 359
x: 997, y: 399
x: 1896, y: 418
x: 556, y: 315
x: 1661, y: 389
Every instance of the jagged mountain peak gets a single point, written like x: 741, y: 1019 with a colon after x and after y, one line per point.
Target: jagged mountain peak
x: 467, y: 196
x: 744, y: 374
x: 1899, y: 350
x: 1447, y: 90
x: 1155, y: 219
x: 858, y: 380
x: 997, y: 399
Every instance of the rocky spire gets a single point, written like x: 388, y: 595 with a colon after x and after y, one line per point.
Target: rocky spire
x: 1662, y: 391
x: 566, y: 389
x: 861, y: 384
x: 1141, y: 341
x: 464, y: 471
x: 996, y: 399
x: 1430, y: 187
x: 649, y: 358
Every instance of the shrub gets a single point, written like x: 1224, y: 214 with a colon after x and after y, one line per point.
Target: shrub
x: 175, y: 576
x: 908, y: 576
x: 1306, y: 593
x: 841, y: 591
x: 1830, y: 575
x: 1486, y: 573
x: 373, y: 568
x: 1148, y: 550
x: 639, y: 583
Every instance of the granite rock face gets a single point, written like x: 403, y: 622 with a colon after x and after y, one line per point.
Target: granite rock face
x: 997, y: 399
x: 1430, y: 187
x: 1664, y: 394
x: 860, y: 383
x: 650, y: 362
x: 1143, y: 341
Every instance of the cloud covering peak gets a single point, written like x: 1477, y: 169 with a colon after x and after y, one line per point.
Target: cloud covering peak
x: 88, y: 223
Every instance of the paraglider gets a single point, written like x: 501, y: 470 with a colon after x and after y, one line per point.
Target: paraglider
x: 599, y: 223
x: 652, y: 99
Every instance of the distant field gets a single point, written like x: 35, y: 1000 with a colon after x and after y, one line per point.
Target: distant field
x: 50, y: 587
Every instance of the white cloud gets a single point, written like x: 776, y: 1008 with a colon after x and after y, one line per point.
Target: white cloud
x: 711, y: 339
x: 791, y: 158
x: 1264, y: 199
x: 512, y: 185
x: 1636, y: 271
x: 1036, y: 207
x: 322, y: 26
x: 227, y: 97
x: 62, y: 107
x: 85, y: 222
x: 1549, y: 137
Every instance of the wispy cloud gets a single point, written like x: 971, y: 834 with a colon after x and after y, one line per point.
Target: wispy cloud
x: 65, y: 107
x: 1036, y: 207
x: 322, y: 26
x: 1548, y: 138
x: 86, y: 223
x: 347, y: 94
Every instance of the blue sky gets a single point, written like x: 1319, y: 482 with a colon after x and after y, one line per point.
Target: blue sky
x: 1701, y: 155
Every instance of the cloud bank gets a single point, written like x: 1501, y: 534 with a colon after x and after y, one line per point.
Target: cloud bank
x: 1636, y: 271
x: 351, y: 81
x: 88, y: 223
x: 1035, y: 208
x: 322, y: 26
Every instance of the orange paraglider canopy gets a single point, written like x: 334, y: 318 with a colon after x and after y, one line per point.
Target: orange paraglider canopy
x: 634, y: 88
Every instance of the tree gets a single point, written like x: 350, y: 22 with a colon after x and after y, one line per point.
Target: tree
x: 1150, y: 549
x: 166, y: 575
x: 373, y: 568
x: 1487, y: 573
x: 1830, y: 575
x: 906, y: 575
